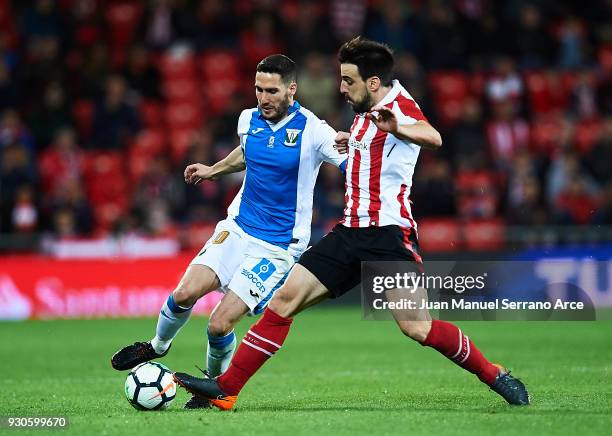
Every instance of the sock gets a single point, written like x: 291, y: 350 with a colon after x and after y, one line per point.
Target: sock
x: 219, y: 352
x: 259, y: 344
x: 449, y: 340
x: 171, y: 318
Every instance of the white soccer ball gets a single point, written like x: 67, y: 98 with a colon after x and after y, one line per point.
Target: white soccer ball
x: 149, y: 386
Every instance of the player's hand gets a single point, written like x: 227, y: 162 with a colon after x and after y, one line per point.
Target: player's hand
x: 195, y: 173
x: 384, y: 118
x: 341, y: 142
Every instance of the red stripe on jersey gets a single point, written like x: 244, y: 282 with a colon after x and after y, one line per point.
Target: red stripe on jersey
x: 403, y: 209
x: 354, y: 123
x: 409, y: 108
x: 400, y: 198
x: 376, y: 156
x: 356, y: 163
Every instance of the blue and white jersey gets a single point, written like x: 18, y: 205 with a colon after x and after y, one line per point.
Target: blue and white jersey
x: 282, y: 163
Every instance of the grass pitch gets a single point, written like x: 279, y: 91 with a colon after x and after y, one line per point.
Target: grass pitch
x: 336, y: 374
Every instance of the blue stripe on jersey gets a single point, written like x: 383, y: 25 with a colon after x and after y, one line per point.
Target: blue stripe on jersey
x: 269, y: 198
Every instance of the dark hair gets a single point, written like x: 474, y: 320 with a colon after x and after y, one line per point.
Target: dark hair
x: 372, y: 58
x: 279, y: 64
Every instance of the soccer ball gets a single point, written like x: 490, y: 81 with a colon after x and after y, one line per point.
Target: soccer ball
x: 149, y: 386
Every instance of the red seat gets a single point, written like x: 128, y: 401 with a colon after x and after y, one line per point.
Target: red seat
x: 138, y: 164
x: 545, y: 134
x: 449, y: 85
x: 6, y: 16
x: 150, y: 141
x: 478, y: 81
x: 107, y: 214
x: 477, y: 193
x: 450, y: 89
x: 103, y: 163
x: 105, y: 176
x: 83, y: 113
x: 54, y: 169
x: 180, y: 140
x: 182, y: 91
x: 547, y: 91
x: 486, y: 235
x: 220, y: 64
x: 587, y: 133
x: 123, y: 17
x: 178, y: 65
x: 147, y: 145
x: 151, y: 113
x: 449, y: 111
x: 221, y: 74
x: 476, y: 181
x: 440, y: 235
x: 181, y: 116
x: 605, y: 57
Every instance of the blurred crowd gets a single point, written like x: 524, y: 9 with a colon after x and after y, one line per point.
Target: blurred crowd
x: 103, y: 103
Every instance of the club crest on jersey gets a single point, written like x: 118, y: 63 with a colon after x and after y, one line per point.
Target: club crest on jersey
x: 271, y: 142
x: 291, y: 137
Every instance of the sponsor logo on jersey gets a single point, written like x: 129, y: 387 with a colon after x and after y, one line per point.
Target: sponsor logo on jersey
x: 291, y: 136
x: 358, y: 145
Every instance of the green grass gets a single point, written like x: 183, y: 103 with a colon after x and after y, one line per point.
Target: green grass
x: 336, y: 374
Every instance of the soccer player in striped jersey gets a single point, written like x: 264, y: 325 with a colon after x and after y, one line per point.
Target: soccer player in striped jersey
x: 282, y: 146
x: 384, y: 142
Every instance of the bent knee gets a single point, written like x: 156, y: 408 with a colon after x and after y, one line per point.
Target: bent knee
x: 186, y: 294
x: 219, y: 325
x: 417, y: 330
x: 284, y: 302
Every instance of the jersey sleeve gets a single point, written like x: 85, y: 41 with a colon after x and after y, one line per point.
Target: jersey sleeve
x: 407, y: 110
x: 242, y: 130
x: 324, y: 139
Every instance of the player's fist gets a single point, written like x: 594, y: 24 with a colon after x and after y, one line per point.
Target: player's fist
x: 195, y: 173
x: 384, y: 118
x: 341, y: 142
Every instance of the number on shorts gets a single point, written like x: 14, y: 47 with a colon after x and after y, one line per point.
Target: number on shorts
x: 221, y: 237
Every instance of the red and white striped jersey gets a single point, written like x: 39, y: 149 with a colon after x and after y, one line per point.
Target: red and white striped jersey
x: 380, y: 168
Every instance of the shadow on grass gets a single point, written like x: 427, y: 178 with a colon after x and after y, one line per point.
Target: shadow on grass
x: 417, y: 405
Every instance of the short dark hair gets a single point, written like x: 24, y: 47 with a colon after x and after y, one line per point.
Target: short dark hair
x: 372, y: 58
x: 279, y: 64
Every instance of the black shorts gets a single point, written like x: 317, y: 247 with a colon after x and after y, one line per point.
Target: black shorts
x: 336, y: 259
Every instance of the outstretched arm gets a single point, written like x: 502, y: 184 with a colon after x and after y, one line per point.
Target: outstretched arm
x: 232, y: 163
x: 421, y: 133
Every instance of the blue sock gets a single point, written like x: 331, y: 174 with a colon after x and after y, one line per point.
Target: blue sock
x: 219, y: 353
x: 171, y: 318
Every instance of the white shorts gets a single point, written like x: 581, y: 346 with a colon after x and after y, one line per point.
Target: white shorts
x: 253, y: 269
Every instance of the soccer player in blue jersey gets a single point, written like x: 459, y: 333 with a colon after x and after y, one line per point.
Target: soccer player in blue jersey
x: 251, y: 252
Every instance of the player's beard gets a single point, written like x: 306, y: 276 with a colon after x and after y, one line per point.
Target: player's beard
x: 280, y: 111
x: 363, y: 105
